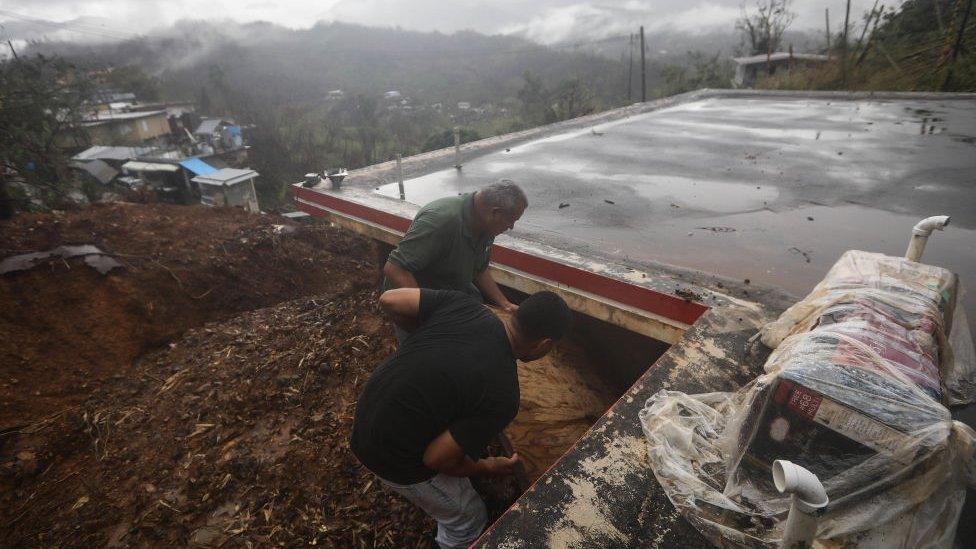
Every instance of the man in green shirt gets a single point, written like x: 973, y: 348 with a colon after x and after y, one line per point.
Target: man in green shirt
x: 448, y: 245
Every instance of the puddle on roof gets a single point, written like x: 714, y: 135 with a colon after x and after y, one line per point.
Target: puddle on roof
x: 685, y: 192
x: 742, y: 176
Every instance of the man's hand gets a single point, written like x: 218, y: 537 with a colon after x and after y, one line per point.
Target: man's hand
x: 444, y: 455
x: 490, y: 290
x: 500, y: 466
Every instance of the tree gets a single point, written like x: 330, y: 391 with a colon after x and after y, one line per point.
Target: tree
x: 764, y: 27
x: 366, y: 117
x: 204, y: 101
x: 536, y: 108
x: 42, y: 99
x: 445, y: 138
x: 572, y: 99
x: 130, y: 78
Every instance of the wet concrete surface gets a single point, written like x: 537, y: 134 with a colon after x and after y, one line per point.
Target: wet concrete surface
x: 768, y: 189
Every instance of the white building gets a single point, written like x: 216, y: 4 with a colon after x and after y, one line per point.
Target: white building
x: 229, y: 187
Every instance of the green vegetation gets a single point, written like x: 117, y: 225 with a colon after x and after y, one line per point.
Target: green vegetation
x: 446, y: 139
x: 701, y: 71
x: 404, y: 92
x: 39, y: 98
x: 912, y: 48
x: 131, y: 78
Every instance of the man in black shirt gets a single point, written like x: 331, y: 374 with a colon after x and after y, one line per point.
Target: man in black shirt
x: 427, y: 414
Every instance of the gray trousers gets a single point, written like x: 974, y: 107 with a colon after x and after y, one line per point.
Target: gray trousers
x: 453, y: 503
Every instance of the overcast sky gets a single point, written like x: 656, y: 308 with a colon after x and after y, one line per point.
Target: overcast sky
x: 542, y: 20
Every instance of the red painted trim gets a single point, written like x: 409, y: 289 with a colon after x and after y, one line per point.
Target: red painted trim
x: 642, y: 298
x: 379, y: 217
x: 646, y: 299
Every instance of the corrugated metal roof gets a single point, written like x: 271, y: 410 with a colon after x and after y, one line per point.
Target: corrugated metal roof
x: 111, y: 153
x: 103, y: 118
x: 207, y: 127
x: 225, y: 176
x: 150, y: 167
x: 98, y: 169
x: 778, y: 56
x: 197, y: 166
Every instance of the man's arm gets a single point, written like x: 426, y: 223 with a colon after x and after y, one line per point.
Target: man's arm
x: 402, y: 305
x: 490, y: 290
x: 398, y: 276
x: 445, y: 455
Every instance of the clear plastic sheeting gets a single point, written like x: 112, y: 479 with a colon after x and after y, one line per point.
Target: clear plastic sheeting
x: 910, y: 310
x: 854, y: 391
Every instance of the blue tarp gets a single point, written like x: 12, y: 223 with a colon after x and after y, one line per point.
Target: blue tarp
x: 197, y: 166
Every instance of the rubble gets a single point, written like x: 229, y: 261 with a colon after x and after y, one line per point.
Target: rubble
x: 67, y: 328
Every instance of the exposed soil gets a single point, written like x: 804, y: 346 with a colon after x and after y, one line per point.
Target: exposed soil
x: 66, y: 328
x: 128, y: 421
x: 204, y: 394
x: 236, y: 433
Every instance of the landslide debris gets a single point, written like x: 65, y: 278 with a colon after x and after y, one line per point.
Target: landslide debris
x: 235, y: 434
x: 66, y: 328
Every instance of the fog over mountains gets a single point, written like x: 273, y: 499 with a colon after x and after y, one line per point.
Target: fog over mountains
x: 542, y: 21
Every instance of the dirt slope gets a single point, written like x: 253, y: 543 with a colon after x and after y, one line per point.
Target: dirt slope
x: 234, y: 434
x: 152, y: 429
x: 67, y: 328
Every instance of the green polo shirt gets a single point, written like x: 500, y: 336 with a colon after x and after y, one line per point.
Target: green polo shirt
x: 439, y: 249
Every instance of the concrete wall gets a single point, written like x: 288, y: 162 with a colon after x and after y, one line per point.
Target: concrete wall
x: 129, y: 132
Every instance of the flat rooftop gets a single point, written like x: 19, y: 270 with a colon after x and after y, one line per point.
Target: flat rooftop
x: 767, y: 188
x: 691, y: 220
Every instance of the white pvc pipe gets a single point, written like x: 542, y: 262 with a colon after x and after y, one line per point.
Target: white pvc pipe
x: 920, y: 235
x: 809, y: 498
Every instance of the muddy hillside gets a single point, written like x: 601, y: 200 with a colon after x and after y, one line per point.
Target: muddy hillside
x: 66, y: 327
x: 163, y: 403
x: 179, y: 376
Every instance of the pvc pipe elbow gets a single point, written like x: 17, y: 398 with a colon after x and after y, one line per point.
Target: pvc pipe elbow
x: 809, y: 492
x: 929, y: 224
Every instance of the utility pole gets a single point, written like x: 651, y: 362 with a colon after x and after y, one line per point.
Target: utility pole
x: 630, y: 70
x: 958, y: 45
x: 399, y: 169
x: 643, y: 68
x: 12, y: 50
x: 457, y: 147
x: 867, y: 23
x: 843, y: 49
x: 769, y: 40
x: 867, y: 45
x: 827, y: 17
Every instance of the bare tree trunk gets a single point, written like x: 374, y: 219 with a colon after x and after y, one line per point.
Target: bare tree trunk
x: 827, y: 18
x: 843, y: 58
x: 958, y: 45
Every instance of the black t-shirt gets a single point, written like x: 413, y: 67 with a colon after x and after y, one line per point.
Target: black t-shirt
x: 456, y: 371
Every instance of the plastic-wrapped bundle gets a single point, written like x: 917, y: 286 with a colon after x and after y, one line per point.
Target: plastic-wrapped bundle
x: 852, y: 392
x: 913, y: 302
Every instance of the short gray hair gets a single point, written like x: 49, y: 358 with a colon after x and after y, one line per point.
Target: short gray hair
x: 505, y: 195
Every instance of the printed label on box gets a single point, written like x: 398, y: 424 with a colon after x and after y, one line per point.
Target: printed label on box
x: 866, y: 430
